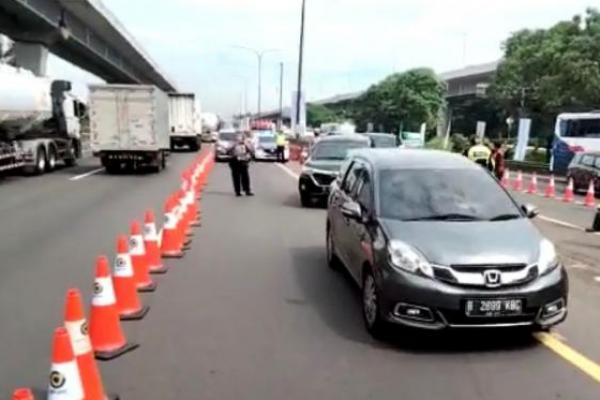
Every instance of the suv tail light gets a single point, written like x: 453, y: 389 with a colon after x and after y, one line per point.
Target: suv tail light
x: 576, y: 149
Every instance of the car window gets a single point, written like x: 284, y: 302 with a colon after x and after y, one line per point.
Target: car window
x: 352, y: 177
x: 363, y: 191
x: 412, y: 194
x: 597, y: 163
x: 335, y: 150
x: 587, y: 160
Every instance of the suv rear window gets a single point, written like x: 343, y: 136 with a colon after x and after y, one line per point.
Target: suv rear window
x: 588, y: 160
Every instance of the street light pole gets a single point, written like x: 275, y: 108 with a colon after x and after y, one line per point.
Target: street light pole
x: 280, y: 120
x: 259, y: 55
x: 300, y: 66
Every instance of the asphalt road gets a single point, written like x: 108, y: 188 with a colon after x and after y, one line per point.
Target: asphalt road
x: 252, y: 311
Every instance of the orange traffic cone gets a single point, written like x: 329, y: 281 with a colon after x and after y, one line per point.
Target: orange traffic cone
x: 139, y: 259
x: 23, y: 394
x: 590, y: 197
x: 532, y: 189
x: 518, y: 183
x: 155, y: 264
x: 108, y: 340
x: 77, y: 327
x: 128, y: 302
x: 569, y: 196
x: 65, y: 381
x: 171, y: 243
x: 550, y: 189
x: 505, y: 181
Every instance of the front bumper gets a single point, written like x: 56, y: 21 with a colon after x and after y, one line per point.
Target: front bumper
x: 309, y: 187
x: 222, y: 155
x: 447, y: 302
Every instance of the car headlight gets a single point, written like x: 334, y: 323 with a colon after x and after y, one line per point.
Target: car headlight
x: 404, y: 257
x: 547, y: 259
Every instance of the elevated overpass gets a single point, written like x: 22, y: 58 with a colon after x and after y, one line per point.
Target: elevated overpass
x: 83, y: 32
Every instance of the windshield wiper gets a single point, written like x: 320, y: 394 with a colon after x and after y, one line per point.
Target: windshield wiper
x: 447, y: 217
x: 505, y: 217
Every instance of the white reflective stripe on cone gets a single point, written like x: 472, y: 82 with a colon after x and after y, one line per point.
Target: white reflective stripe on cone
x: 80, y: 340
x: 136, y: 245
x: 150, y: 234
x: 65, y: 382
x: 170, y: 220
x: 104, y: 293
x: 123, y: 267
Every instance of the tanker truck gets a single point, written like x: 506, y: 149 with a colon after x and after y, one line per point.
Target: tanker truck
x: 39, y: 122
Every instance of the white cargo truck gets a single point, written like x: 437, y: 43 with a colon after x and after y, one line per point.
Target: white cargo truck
x: 129, y: 126
x: 182, y: 121
x: 40, y: 122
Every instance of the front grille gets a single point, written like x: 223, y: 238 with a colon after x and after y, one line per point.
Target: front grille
x: 473, y: 275
x: 323, y: 179
x: 483, y: 267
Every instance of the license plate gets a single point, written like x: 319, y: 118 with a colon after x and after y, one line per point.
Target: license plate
x: 493, y: 307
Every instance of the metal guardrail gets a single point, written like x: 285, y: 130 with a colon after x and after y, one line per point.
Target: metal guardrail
x: 529, y: 166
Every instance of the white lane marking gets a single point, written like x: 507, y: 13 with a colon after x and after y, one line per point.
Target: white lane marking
x: 79, y: 177
x: 288, y: 171
x: 561, y: 223
x: 566, y: 224
x: 597, y: 278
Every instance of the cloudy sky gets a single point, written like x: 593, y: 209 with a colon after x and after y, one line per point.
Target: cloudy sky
x: 350, y: 44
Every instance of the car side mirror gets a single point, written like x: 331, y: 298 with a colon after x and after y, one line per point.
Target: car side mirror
x: 530, y: 210
x: 351, y: 209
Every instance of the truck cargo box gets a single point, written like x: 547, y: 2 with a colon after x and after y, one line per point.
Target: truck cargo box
x: 128, y: 118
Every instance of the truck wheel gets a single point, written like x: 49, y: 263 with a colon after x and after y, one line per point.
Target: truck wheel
x: 40, y: 163
x: 51, y: 165
x: 71, y: 156
x: 163, y: 160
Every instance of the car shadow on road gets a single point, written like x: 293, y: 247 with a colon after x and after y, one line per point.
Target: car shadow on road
x: 336, y: 298
x: 293, y: 201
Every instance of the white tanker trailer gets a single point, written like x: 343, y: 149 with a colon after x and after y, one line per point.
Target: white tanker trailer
x: 39, y: 122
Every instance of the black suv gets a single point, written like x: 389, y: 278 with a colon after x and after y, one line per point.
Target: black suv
x: 323, y: 165
x: 435, y: 242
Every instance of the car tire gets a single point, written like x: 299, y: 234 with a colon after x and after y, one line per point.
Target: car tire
x: 374, y: 323
x: 333, y: 261
x: 305, y: 200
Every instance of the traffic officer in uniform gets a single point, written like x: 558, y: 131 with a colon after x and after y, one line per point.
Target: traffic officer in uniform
x: 280, y: 141
x: 241, y: 154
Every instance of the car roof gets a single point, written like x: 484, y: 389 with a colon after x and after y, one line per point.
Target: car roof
x: 413, y: 159
x: 348, y: 137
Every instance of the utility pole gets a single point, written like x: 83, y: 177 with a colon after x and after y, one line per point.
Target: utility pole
x: 280, y: 121
x: 300, y: 66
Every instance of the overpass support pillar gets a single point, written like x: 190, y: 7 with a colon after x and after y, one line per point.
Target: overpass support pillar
x: 31, y: 56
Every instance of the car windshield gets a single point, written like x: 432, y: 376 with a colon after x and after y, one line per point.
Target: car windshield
x: 383, y: 141
x: 266, y: 139
x: 443, y: 194
x: 228, y: 136
x: 335, y: 150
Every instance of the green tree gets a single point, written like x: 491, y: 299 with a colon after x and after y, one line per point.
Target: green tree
x: 317, y: 114
x: 409, y: 98
x: 547, y: 71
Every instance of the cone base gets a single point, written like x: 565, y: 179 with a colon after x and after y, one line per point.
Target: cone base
x: 111, y: 355
x: 159, y: 270
x: 173, y: 254
x: 136, y: 316
x: 43, y: 394
x: 151, y: 287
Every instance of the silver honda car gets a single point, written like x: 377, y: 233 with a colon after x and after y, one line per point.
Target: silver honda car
x: 435, y: 242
